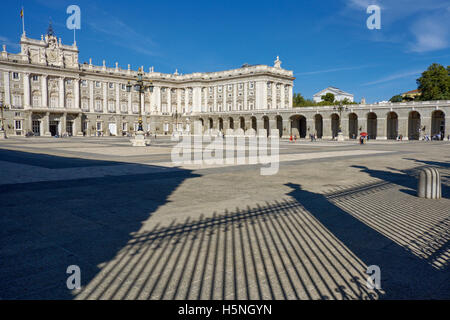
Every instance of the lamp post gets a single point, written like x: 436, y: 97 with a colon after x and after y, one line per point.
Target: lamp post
x: 2, y: 128
x: 340, y: 108
x: 175, y: 116
x: 141, y: 87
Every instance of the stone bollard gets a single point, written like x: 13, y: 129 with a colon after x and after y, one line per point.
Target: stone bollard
x: 429, y: 184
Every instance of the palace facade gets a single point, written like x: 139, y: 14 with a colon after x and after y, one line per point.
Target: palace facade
x: 47, y: 91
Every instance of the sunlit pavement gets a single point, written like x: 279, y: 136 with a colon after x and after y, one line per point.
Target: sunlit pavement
x: 140, y: 227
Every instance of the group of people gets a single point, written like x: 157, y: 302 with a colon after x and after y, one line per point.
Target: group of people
x: 437, y: 137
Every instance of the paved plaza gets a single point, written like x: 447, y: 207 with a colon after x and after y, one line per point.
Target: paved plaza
x: 140, y: 227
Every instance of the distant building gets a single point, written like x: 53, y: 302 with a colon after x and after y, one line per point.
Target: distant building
x: 339, y: 95
x: 411, y: 94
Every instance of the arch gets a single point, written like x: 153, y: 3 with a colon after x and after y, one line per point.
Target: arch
x: 231, y: 123
x: 211, y: 123
x: 438, y: 123
x: 298, y: 126
x: 220, y: 124
x: 279, y: 121
x: 352, y: 125
x: 414, y: 125
x: 266, y: 124
x: 242, y: 123
x: 392, y: 126
x: 202, y: 124
x: 318, y: 126
x: 372, y: 125
x: 335, y: 120
x: 254, y: 123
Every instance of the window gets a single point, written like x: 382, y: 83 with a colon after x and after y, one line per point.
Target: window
x: 251, y: 85
x: 69, y: 81
x: 34, y: 78
x: 54, y: 102
x: 123, y: 107
x: 210, y: 89
x: 98, y: 105
x: 251, y: 106
x: 69, y: 103
x: 229, y: 107
x: 111, y: 106
x: 18, y: 124
x: 241, y: 86
x: 240, y: 107
x: 98, y: 84
x: 83, y: 83
x: 269, y: 85
x: 17, y: 100
x: 124, y: 126
x: 135, y: 107
x: 229, y: 95
x: 84, y: 105
x: 111, y: 85
x: 99, y: 126
x: 251, y: 93
x: 220, y: 96
x: 219, y: 89
x: 15, y: 76
x: 123, y: 87
x: 230, y: 87
x: 36, y: 101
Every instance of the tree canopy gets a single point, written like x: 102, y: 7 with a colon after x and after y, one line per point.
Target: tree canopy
x: 434, y: 84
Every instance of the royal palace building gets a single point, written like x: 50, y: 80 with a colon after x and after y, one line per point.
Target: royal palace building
x: 47, y: 90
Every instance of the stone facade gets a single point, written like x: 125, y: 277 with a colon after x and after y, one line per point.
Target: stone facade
x: 49, y: 92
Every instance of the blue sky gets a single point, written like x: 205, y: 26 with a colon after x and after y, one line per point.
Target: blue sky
x: 325, y: 43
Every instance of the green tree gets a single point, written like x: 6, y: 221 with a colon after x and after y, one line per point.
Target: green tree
x: 396, y: 98
x: 434, y: 84
x: 298, y: 100
x: 329, y: 97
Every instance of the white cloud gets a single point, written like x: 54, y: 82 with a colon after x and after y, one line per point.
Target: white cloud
x: 394, y: 77
x: 332, y: 70
x: 431, y: 33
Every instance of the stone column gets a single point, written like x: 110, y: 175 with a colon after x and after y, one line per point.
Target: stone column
x: 26, y: 90
x: 235, y: 107
x: 403, y: 127
x: 327, y: 132
x: 91, y: 96
x: 186, y: 99
x: 215, y: 98
x: 344, y: 126
x: 381, y: 128
x: 44, y: 91
x: 287, y: 125
x: 6, y: 76
x: 105, y: 97
x: 178, y: 108
x: 427, y: 122
x: 274, y: 96
x: 63, y: 120
x: 157, y: 98
x: 264, y: 96
x: 224, y: 99
x: 46, y: 124
x: 118, y: 100
x: 76, y: 89
x: 196, y: 99
x: 282, y: 96
x: 62, y: 102
x: 290, y: 95
x: 169, y: 99
x: 245, y: 96
x: 78, y: 130
x: 447, y: 127
x: 309, y: 125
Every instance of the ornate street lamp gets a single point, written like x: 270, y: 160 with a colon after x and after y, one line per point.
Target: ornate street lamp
x: 140, y: 87
x: 340, y: 108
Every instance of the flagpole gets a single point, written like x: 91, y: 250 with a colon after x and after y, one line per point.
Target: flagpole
x: 23, y: 21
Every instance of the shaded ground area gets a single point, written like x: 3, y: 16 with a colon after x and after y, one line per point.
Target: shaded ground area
x: 141, y: 232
